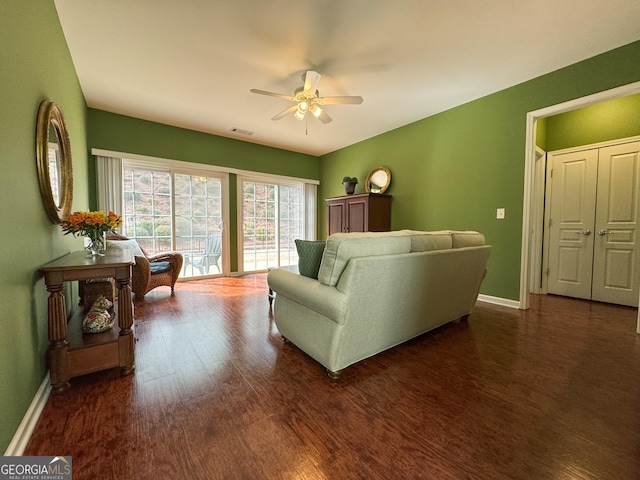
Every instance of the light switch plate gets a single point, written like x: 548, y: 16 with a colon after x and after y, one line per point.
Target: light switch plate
x: 500, y: 213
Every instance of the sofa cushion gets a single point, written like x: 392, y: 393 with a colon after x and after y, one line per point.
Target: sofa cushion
x: 428, y: 241
x: 467, y: 239
x: 341, y: 247
x: 309, y: 256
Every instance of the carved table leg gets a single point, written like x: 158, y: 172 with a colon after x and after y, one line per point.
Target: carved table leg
x: 125, y: 322
x: 57, y: 352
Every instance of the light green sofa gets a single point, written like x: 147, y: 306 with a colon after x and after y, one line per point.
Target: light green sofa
x: 377, y: 290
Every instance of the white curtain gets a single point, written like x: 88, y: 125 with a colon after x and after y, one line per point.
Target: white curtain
x: 109, y: 177
x: 310, y: 201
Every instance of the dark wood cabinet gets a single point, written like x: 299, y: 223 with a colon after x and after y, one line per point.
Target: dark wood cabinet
x: 364, y: 212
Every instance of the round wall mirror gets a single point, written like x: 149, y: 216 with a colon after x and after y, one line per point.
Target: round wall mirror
x: 378, y: 180
x: 53, y: 155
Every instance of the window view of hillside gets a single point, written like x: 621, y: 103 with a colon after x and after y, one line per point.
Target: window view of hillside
x: 147, y: 209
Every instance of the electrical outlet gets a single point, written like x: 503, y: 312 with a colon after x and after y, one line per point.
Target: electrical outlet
x: 500, y: 213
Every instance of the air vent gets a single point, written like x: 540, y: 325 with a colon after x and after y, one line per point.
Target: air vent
x: 242, y: 131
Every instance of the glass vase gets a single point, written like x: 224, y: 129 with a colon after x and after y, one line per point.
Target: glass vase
x: 96, y: 244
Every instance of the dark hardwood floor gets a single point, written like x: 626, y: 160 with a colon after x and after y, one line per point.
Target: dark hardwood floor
x: 550, y: 393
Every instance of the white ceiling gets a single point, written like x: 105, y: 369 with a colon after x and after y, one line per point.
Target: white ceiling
x: 191, y: 63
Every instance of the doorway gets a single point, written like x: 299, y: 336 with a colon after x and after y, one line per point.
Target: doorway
x: 530, y: 231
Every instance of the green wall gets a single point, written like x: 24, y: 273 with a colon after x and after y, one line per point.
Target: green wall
x: 618, y: 118
x: 541, y: 133
x: 35, y: 66
x: 120, y: 133
x: 454, y: 169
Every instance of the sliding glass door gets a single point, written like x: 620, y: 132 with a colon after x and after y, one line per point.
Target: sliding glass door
x: 173, y: 210
x: 170, y: 205
x: 291, y: 222
x: 272, y: 218
x: 198, y: 206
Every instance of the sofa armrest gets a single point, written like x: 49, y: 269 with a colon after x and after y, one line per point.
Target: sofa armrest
x: 325, y: 300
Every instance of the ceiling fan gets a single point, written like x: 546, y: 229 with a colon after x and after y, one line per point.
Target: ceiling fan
x: 307, y: 99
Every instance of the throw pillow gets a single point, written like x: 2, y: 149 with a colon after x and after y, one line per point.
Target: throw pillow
x: 126, y: 244
x: 98, y: 319
x: 309, y: 256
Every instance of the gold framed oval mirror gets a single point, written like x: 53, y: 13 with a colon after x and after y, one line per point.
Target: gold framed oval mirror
x: 378, y: 180
x: 53, y: 156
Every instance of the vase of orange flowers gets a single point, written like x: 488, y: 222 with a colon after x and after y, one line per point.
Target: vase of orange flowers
x: 94, y: 226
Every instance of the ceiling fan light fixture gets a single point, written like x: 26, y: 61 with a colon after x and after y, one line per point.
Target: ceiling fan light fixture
x: 303, y: 106
x: 316, y: 110
x: 307, y: 98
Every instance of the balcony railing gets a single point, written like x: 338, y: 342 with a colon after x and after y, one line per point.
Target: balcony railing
x: 257, y: 257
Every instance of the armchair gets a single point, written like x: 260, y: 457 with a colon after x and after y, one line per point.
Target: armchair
x: 212, y: 253
x: 149, y: 271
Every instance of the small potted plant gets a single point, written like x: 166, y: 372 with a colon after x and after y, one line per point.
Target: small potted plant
x: 349, y: 184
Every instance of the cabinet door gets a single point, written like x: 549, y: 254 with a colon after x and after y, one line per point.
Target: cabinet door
x: 357, y: 215
x: 337, y: 217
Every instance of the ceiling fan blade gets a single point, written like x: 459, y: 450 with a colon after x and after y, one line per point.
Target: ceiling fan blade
x: 311, y: 80
x: 324, y: 118
x: 286, y: 112
x: 272, y: 94
x: 346, y: 100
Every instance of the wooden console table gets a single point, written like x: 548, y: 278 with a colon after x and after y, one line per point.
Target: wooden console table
x: 72, y: 353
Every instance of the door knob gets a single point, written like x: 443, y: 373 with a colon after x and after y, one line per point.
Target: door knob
x: 602, y: 232
x: 587, y: 232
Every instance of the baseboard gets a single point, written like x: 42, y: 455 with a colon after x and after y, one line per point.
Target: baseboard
x: 504, y: 302
x: 30, y: 420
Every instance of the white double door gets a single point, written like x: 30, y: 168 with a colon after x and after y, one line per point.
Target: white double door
x: 593, y: 200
